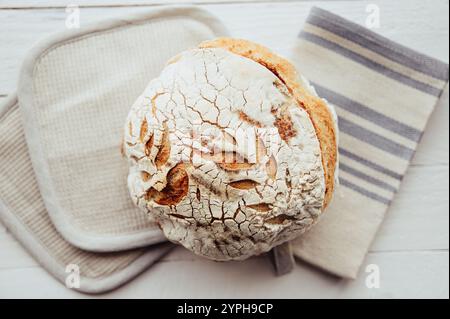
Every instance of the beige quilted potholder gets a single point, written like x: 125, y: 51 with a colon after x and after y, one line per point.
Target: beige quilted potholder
x: 23, y: 212
x: 75, y: 90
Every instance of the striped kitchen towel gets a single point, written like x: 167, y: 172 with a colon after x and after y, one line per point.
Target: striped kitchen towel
x: 383, y: 94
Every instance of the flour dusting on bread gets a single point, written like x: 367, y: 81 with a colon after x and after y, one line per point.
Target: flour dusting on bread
x: 223, y: 156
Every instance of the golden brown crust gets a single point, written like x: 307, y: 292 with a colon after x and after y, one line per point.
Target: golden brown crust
x: 318, y: 111
x: 176, y: 189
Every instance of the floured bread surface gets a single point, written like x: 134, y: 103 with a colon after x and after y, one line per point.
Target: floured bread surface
x: 320, y: 112
x: 222, y: 156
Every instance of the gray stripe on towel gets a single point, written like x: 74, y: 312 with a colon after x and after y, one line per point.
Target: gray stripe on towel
x: 369, y: 114
x: 379, y: 44
x: 372, y: 165
x: 423, y: 87
x: 367, y: 178
x: 374, y: 139
x: 364, y: 192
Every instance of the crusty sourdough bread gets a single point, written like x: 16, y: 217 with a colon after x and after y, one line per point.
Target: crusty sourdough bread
x: 229, y: 151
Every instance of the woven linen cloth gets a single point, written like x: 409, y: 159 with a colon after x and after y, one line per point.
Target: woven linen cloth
x: 23, y: 212
x: 75, y: 91
x: 71, y: 84
x: 383, y: 94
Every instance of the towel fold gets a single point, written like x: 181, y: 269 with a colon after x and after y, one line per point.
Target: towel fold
x: 384, y: 94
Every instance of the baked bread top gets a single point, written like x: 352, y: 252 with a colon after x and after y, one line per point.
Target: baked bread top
x: 319, y: 112
x: 229, y: 151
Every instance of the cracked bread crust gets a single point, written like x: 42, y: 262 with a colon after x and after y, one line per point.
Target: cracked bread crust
x: 231, y: 203
x: 317, y: 109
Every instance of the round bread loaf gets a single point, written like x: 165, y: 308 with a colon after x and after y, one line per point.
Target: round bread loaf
x: 230, y: 151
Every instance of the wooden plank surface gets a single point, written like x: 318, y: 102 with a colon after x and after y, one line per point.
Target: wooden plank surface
x: 273, y: 24
x: 411, y: 248
x: 21, y: 4
x: 251, y: 279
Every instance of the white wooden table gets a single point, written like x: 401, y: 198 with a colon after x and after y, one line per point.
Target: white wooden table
x: 412, y: 246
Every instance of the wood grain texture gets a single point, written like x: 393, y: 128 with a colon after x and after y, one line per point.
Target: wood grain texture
x: 253, y: 278
x: 411, y: 248
x: 21, y: 4
x: 275, y: 25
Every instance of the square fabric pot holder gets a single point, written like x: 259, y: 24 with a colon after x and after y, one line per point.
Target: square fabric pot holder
x: 63, y: 182
x: 23, y: 212
x: 75, y: 91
